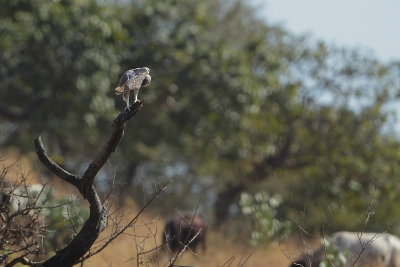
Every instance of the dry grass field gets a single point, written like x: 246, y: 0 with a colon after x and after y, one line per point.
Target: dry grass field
x: 220, y: 251
x: 123, y: 251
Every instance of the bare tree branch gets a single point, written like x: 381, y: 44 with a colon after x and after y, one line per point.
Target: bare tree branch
x: 51, y: 165
x: 128, y: 225
x: 97, y: 221
x: 111, y: 145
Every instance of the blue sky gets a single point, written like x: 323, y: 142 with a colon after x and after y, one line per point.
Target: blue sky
x: 373, y: 25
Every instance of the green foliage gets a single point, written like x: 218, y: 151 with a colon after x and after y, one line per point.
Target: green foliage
x: 262, y: 209
x: 64, y: 218
x: 235, y: 105
x: 59, y: 61
x: 333, y: 256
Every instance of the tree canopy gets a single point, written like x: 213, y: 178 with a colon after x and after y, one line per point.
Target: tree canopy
x: 235, y: 105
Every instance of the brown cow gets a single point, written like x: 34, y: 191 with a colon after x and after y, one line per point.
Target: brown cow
x: 184, y: 230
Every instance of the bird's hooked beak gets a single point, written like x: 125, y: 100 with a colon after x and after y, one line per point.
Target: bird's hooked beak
x: 146, y: 81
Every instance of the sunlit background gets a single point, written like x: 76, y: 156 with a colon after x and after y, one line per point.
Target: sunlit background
x: 276, y: 121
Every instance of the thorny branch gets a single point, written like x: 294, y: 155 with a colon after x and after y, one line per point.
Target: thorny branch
x: 97, y: 220
x: 20, y: 223
x: 128, y: 225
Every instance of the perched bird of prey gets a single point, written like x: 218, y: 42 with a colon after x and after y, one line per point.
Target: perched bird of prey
x: 132, y: 80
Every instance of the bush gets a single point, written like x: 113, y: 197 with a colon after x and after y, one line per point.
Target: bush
x: 262, y: 209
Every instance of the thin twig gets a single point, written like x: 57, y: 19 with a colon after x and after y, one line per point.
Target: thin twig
x: 186, y: 243
x: 130, y: 223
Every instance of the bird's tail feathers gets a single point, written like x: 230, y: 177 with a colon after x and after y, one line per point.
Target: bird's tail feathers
x: 119, y: 90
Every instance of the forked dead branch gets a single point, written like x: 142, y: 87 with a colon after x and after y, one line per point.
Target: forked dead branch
x: 97, y: 221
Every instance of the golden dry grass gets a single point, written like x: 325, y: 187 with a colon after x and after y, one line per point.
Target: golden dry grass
x: 221, y: 250
x: 19, y: 165
x: 28, y: 165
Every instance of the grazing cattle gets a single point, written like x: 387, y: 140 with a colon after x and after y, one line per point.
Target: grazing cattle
x: 366, y: 249
x: 185, y: 230
x: 19, y: 198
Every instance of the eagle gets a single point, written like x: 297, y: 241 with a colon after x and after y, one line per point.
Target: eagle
x: 132, y: 80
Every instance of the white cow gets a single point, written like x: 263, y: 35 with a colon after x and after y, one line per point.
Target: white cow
x: 363, y: 249
x: 19, y: 198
